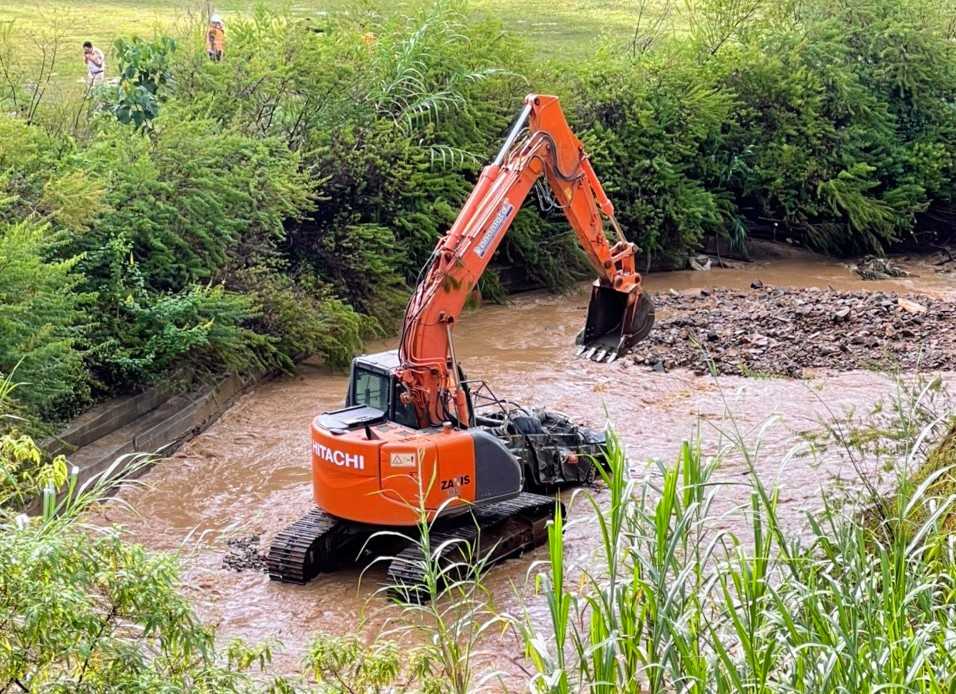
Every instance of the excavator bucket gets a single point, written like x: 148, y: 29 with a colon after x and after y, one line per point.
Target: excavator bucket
x: 616, y: 322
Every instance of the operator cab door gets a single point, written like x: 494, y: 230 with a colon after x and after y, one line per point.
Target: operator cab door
x: 382, y: 390
x: 379, y: 388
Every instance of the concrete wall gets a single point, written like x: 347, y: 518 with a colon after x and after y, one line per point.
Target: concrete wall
x: 156, y: 421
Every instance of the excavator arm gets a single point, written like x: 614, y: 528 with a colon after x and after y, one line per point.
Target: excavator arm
x: 540, y: 145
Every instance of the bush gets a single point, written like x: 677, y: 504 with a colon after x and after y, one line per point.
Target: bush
x: 654, y: 130
x: 844, y: 122
x: 196, y: 200
x: 303, y: 317
x: 82, y: 610
x: 201, y: 328
x: 830, y: 124
x: 189, y: 204
x: 42, y: 317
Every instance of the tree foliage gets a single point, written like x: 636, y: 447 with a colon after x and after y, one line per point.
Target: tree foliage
x: 144, y: 72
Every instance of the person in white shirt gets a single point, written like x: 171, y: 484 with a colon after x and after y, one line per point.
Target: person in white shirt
x: 95, y: 64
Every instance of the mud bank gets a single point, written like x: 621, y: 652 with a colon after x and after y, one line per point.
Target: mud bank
x: 790, y: 332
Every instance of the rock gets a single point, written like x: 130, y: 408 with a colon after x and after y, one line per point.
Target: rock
x: 910, y: 306
x: 840, y: 315
x: 700, y: 263
x: 244, y: 554
x: 756, y: 284
x: 873, y: 268
x: 790, y: 332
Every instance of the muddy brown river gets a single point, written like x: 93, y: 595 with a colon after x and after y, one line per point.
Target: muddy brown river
x: 248, y: 473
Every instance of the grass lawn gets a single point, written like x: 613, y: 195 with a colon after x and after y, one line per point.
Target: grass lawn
x: 552, y: 26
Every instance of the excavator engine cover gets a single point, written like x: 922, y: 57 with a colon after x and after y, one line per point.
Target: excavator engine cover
x: 375, y: 475
x: 616, y: 321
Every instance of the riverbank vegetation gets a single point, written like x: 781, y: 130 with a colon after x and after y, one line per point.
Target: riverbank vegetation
x: 241, y: 214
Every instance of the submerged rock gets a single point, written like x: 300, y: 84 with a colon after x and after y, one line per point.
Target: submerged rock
x: 244, y: 554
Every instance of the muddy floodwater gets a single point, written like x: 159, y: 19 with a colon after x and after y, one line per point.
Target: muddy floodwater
x: 248, y: 473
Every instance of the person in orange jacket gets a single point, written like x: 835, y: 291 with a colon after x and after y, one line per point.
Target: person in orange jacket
x: 215, y: 38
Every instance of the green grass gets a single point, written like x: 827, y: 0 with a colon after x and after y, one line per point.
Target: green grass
x: 552, y: 28
x: 568, y: 28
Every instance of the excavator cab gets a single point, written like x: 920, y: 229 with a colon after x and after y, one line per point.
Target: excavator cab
x: 373, y: 383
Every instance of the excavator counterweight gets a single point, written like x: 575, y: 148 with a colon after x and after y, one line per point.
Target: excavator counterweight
x: 413, y: 436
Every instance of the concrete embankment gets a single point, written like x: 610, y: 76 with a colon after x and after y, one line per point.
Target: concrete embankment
x: 156, y: 421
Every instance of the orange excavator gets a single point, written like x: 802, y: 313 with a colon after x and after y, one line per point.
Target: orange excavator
x: 415, y: 433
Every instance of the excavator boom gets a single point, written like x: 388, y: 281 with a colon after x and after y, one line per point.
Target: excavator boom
x: 539, y: 146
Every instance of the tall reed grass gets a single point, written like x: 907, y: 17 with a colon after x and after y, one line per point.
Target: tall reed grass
x: 860, y: 602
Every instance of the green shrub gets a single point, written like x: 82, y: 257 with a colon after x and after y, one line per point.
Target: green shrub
x: 844, y: 124
x: 36, y: 181
x: 202, y: 328
x: 83, y: 610
x: 653, y: 130
x: 195, y: 199
x: 144, y: 71
x: 42, y: 318
x: 303, y: 317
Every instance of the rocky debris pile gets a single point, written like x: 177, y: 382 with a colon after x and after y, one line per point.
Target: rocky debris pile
x: 783, y: 332
x: 244, y: 554
x: 874, y: 268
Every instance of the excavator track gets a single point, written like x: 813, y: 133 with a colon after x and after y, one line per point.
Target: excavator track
x: 299, y: 552
x: 498, y: 531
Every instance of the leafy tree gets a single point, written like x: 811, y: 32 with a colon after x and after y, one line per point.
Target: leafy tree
x: 144, y: 72
x: 653, y: 131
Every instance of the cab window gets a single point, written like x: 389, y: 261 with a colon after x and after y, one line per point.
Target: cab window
x: 371, y: 389
x: 403, y: 414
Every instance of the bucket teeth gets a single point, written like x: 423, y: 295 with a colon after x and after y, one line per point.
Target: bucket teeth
x: 600, y: 356
x: 614, y: 355
x: 590, y: 353
x: 582, y: 349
